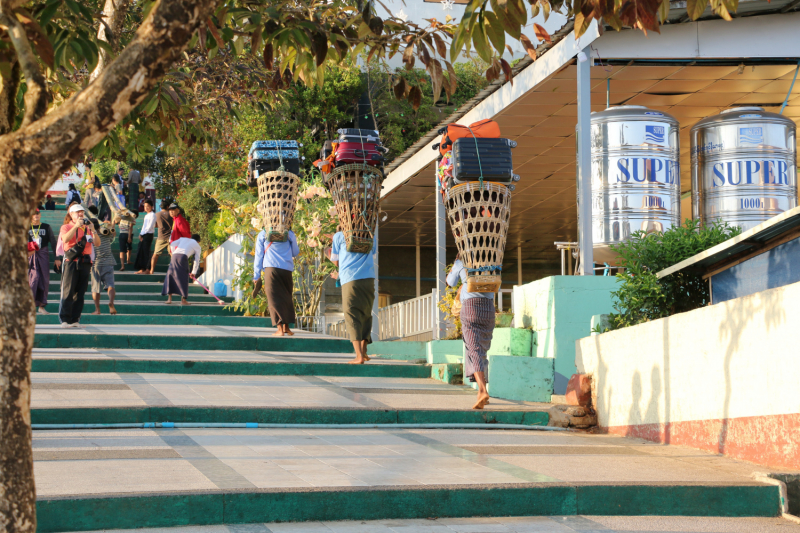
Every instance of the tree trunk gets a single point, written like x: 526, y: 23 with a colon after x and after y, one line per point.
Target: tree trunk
x: 31, y: 159
x: 8, y: 98
x: 17, y: 320
x: 113, y: 15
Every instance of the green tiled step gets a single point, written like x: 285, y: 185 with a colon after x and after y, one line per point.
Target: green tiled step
x: 282, y: 415
x: 148, y: 297
x: 128, y: 276
x: 88, y: 319
x: 126, y: 286
x: 163, y: 259
x: 147, y: 342
x: 148, y: 309
x: 156, y: 510
x: 227, y: 368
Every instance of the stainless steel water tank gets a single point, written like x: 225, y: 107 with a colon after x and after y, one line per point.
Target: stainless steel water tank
x: 744, y: 167
x: 635, y: 175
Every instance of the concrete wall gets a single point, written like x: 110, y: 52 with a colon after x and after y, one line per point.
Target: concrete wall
x: 222, y: 264
x: 559, y: 309
x: 722, y: 378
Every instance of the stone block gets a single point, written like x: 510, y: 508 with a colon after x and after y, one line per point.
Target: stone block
x: 579, y: 390
x: 528, y: 379
x: 452, y: 374
x: 512, y: 341
x: 445, y: 352
x: 401, y: 350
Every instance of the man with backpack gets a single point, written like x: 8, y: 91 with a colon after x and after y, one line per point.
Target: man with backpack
x: 72, y: 195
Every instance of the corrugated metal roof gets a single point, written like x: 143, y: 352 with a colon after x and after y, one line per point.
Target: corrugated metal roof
x: 749, y: 241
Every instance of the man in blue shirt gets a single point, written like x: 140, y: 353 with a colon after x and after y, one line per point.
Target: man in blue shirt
x: 357, y: 277
x: 276, y: 260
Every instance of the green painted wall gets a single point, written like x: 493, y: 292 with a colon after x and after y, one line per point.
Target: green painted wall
x: 512, y: 341
x: 528, y: 379
x: 445, y: 352
x: 559, y: 310
x: 403, y: 350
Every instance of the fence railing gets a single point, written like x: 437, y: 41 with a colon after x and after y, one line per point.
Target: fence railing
x: 313, y: 324
x: 408, y: 318
x: 414, y: 317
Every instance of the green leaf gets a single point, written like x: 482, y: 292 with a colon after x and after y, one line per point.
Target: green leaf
x: 480, y: 43
x: 495, y: 31
x: 151, y: 106
x: 48, y: 12
x: 695, y: 8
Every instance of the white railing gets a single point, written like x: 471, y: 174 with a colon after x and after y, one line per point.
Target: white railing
x: 313, y: 324
x: 337, y: 329
x: 413, y: 317
x: 408, y: 318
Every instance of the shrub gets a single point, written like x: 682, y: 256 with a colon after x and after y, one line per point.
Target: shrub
x: 642, y: 296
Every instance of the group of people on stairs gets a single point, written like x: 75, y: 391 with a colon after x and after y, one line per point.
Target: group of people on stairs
x: 84, y: 256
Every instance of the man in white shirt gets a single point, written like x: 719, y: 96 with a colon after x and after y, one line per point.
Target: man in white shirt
x: 177, y: 280
x: 146, y: 239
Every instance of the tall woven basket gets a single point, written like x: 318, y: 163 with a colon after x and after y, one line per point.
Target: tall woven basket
x: 277, y: 198
x: 479, y: 220
x: 356, y: 193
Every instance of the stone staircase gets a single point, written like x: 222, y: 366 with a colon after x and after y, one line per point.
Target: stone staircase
x: 167, y: 415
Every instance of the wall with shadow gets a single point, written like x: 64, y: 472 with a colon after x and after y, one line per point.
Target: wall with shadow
x: 722, y: 378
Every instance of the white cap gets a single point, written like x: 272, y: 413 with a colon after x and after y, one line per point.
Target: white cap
x: 76, y: 207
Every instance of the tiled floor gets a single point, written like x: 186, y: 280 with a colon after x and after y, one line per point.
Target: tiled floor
x: 536, y: 524
x: 72, y: 462
x: 168, y: 331
x: 200, y: 355
x: 55, y: 390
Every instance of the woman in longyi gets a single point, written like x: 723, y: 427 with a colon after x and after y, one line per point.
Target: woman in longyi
x: 276, y: 261
x: 477, y: 326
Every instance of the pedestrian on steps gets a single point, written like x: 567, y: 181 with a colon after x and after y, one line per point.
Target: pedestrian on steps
x: 180, y: 226
x: 116, y: 183
x: 72, y: 195
x: 125, y: 241
x: 357, y: 277
x: 134, y: 178
x: 103, y: 268
x: 276, y: 261
x: 177, y: 280
x: 146, y: 239
x: 41, y: 241
x: 477, y: 326
x: 78, y: 238
x: 164, y: 224
x: 50, y: 204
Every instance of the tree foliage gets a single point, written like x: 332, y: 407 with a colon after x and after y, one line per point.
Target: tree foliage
x: 641, y: 296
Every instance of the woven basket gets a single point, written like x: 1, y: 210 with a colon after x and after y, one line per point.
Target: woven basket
x: 479, y: 220
x: 356, y: 193
x: 277, y: 198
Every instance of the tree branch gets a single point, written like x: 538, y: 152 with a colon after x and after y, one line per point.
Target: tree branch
x: 8, y: 99
x: 38, y: 152
x: 112, y: 20
x: 36, y: 96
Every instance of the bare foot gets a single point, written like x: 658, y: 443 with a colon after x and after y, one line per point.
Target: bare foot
x: 278, y: 334
x: 96, y: 312
x: 483, y: 399
x: 290, y: 333
x: 184, y: 301
x: 111, y: 309
x: 43, y: 311
x: 141, y: 272
x: 367, y: 358
x: 169, y: 300
x: 356, y: 361
x: 123, y: 268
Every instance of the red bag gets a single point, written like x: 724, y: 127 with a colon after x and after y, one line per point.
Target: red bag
x: 33, y: 247
x: 357, y: 152
x: 486, y: 128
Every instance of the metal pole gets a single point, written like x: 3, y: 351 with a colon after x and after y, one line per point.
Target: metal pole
x: 376, y: 327
x: 419, y: 268
x: 440, y: 329
x: 583, y: 138
x: 519, y: 264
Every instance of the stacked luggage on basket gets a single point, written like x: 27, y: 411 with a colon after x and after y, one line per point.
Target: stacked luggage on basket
x: 352, y: 169
x: 274, y: 167
x: 353, y: 146
x: 474, y: 173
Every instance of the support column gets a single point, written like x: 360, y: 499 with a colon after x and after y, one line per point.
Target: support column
x: 419, y: 268
x: 519, y: 265
x: 376, y: 326
x: 440, y: 329
x: 583, y: 139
